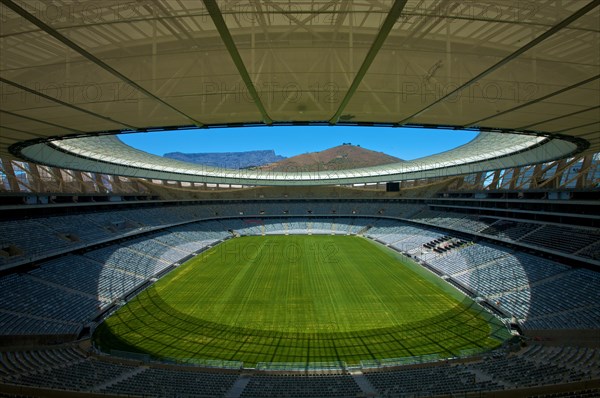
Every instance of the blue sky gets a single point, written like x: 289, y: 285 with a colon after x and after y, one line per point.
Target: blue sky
x: 404, y: 143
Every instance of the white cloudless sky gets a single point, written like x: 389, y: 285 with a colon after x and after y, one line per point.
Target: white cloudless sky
x: 404, y: 143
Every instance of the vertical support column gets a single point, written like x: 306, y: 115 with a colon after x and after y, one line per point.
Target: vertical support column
x: 515, y: 176
x: 34, y: 178
x: 537, y: 176
x: 9, y: 171
x: 479, y: 180
x: 99, y: 183
x: 79, y: 181
x: 560, y: 169
x: 583, y: 173
x: 56, y: 174
x: 117, y: 184
x: 495, y: 180
x: 24, y: 183
x: 137, y: 185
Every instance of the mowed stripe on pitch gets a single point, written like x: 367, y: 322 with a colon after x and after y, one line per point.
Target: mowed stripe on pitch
x: 299, y: 298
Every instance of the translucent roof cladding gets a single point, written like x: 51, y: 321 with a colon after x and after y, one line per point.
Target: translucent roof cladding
x: 436, y: 59
x: 482, y: 152
x: 104, y: 66
x: 298, y: 54
x: 487, y: 151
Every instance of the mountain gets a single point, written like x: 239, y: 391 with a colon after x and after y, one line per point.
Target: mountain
x: 230, y: 160
x: 341, y: 157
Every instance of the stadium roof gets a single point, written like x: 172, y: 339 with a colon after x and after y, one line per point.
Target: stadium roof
x: 525, y: 73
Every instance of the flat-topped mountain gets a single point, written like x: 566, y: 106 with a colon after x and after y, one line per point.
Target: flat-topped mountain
x: 229, y: 160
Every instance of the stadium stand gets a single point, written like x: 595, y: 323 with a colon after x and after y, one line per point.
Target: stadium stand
x: 174, y: 383
x: 552, y: 236
x: 69, y: 368
x: 510, y: 229
x: 88, y: 276
x: 519, y: 284
x: 25, y: 295
x: 308, y: 386
x: 510, y: 218
x: 78, y: 231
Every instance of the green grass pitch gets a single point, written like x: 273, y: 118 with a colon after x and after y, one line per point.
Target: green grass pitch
x: 299, y: 299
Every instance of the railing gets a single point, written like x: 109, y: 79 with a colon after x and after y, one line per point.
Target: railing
x: 302, y: 366
x: 390, y: 362
x: 335, y: 366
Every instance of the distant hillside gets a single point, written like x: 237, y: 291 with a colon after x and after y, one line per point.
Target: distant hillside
x: 341, y: 157
x: 230, y: 160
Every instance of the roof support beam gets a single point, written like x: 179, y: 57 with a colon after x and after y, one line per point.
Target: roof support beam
x: 21, y: 134
x: 384, y: 31
x: 559, y: 117
x: 304, y: 23
x: 535, y: 101
x: 577, y: 127
x: 41, y: 121
x: 217, y: 18
x: 171, y: 21
x: 550, y: 32
x: 89, y: 56
x: 49, y: 98
x: 9, y: 171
